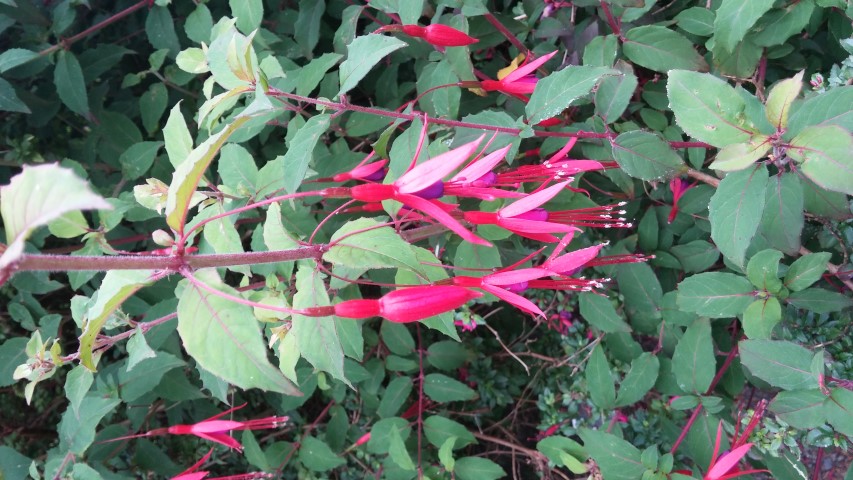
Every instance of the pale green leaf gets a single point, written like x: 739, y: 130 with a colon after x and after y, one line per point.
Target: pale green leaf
x: 660, y: 49
x: 780, y: 98
x: 362, y: 55
x: 738, y: 156
x: 735, y: 18
x: 300, y: 150
x: 558, y: 90
x: 248, y: 13
x: 824, y: 154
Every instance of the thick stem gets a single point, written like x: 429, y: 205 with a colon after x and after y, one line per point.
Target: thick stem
x: 65, y: 43
x: 506, y: 33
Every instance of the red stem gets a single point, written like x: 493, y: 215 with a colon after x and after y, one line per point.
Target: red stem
x: 614, y: 24
x: 506, y: 33
x: 66, y: 42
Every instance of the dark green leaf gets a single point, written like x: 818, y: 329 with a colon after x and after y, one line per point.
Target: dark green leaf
x: 68, y: 78
x: 565, y: 451
x: 438, y: 429
x: 160, y: 27
x: 317, y: 456
x: 830, y: 108
x: 447, y: 355
x: 715, y: 294
x: 476, y: 468
x: 9, y: 100
x: 640, y: 379
x: 137, y: 159
x: 735, y: 18
x: 763, y: 270
x: 839, y: 410
x: 760, y: 317
x: 395, y: 396
x: 660, y: 49
x: 782, y: 222
x: 617, y: 459
x: 824, y: 155
x: 442, y: 389
x: 599, y: 379
x: 600, y: 313
x: 696, y: 256
x: 693, y: 361
x: 642, y: 293
x: 800, y: 408
x: 362, y: 54
x: 310, y: 75
x: 646, y: 156
x: 13, y: 57
x: 782, y: 364
x: 307, y: 32
x: 780, y: 23
x: 806, y: 270
x: 77, y: 429
x: 557, y: 91
x: 300, y: 150
x: 696, y: 20
x: 735, y: 211
x: 819, y: 300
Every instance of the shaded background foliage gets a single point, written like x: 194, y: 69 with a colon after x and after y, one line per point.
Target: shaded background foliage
x: 93, y: 85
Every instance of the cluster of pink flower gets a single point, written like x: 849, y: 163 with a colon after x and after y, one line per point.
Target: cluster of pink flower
x: 421, y: 189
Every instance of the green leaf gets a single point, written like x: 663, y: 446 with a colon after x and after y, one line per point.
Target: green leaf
x: 224, y: 337
x: 738, y: 156
x: 189, y: 173
x: 599, y: 379
x: 830, y: 108
x: 307, y: 28
x: 300, y: 150
x: 839, y: 410
x: 442, y: 389
x: 640, y: 379
x: 565, y: 451
x: 800, y: 408
x: 760, y: 317
x: 179, y: 142
x: 660, y: 49
x: 735, y: 18
x: 693, y: 361
x: 447, y: 355
x: 77, y: 385
x: 68, y: 78
x: 199, y: 24
x: 141, y: 381
x: 445, y: 454
x: 438, y: 430
x: 646, y: 156
x: 316, y: 455
x: 806, y: 270
x: 819, y: 300
x: 397, y: 451
x: 380, y: 433
x: 642, y: 292
x: 362, y: 54
x: 707, y: 108
x: 780, y: 23
x: 37, y: 196
x: 397, y: 338
x: 396, y: 394
x: 9, y: 100
x: 783, y: 219
x: 443, y: 101
x: 138, y: 349
x: 248, y: 13
x: 763, y: 270
x: 12, y: 354
x: 238, y: 169
x: 599, y: 312
x: 557, y: 91
x: 696, y: 256
x: 824, y: 155
x: 613, y: 95
x: 781, y: 364
x: 317, y: 337
x: 696, y: 20
x: 310, y: 75
x: 735, y: 211
x: 160, y: 28
x: 14, y: 57
x: 361, y: 244
x: 77, y: 429
x: 152, y: 104
x: 780, y: 98
x: 715, y: 294
x: 617, y: 459
x: 476, y: 468
x: 738, y: 63
x: 137, y: 159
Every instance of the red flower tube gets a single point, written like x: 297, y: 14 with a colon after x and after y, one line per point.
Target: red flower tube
x: 408, y: 304
x: 439, y: 35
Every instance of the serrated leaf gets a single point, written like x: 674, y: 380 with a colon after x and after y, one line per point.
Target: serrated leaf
x: 300, y: 150
x: 707, y: 108
x: 693, y: 361
x: 780, y: 98
x: 37, y: 196
x: 477, y: 468
x: 824, y: 156
x: 800, y: 408
x: 806, y: 270
x: 599, y: 312
x: 646, y: 156
x: 557, y: 91
x: 760, y: 317
x: 616, y: 458
x: 781, y: 364
x: 819, y: 300
x: 763, y: 270
x: 9, y: 100
x: 225, y: 339
x: 660, y: 49
x: 735, y: 18
x: 317, y: 337
x: 738, y: 156
x: 715, y: 294
x: 639, y: 380
x: 361, y: 244
x: 362, y: 54
x: 68, y: 78
x: 735, y: 211
x: 442, y: 389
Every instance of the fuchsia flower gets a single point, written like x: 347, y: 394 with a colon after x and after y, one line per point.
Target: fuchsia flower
x: 368, y: 172
x: 192, y: 473
x: 214, y: 429
x: 677, y: 186
x: 520, y: 81
x: 439, y: 35
x: 725, y: 466
x: 408, y: 304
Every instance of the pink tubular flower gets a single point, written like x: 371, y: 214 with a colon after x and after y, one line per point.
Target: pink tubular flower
x: 439, y: 35
x: 408, y: 304
x: 369, y: 172
x: 524, y: 217
x: 192, y: 473
x: 520, y: 81
x: 557, y: 167
x: 478, y: 181
x: 216, y: 430
x: 677, y: 186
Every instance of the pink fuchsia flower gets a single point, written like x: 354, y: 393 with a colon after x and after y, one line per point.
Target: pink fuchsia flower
x: 408, y: 304
x: 557, y: 167
x: 192, y: 473
x: 524, y: 217
x: 478, y: 181
x: 725, y: 466
x: 520, y: 82
x: 368, y: 172
x: 439, y: 35
x: 677, y: 186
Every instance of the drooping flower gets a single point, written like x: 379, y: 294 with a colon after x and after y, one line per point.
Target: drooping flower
x: 439, y: 35
x: 520, y: 81
x: 677, y: 186
x: 214, y: 429
x: 408, y: 304
x: 557, y: 167
x: 193, y: 472
x: 725, y: 466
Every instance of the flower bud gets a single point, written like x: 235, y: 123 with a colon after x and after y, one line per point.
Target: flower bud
x: 440, y: 35
x: 417, y: 303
